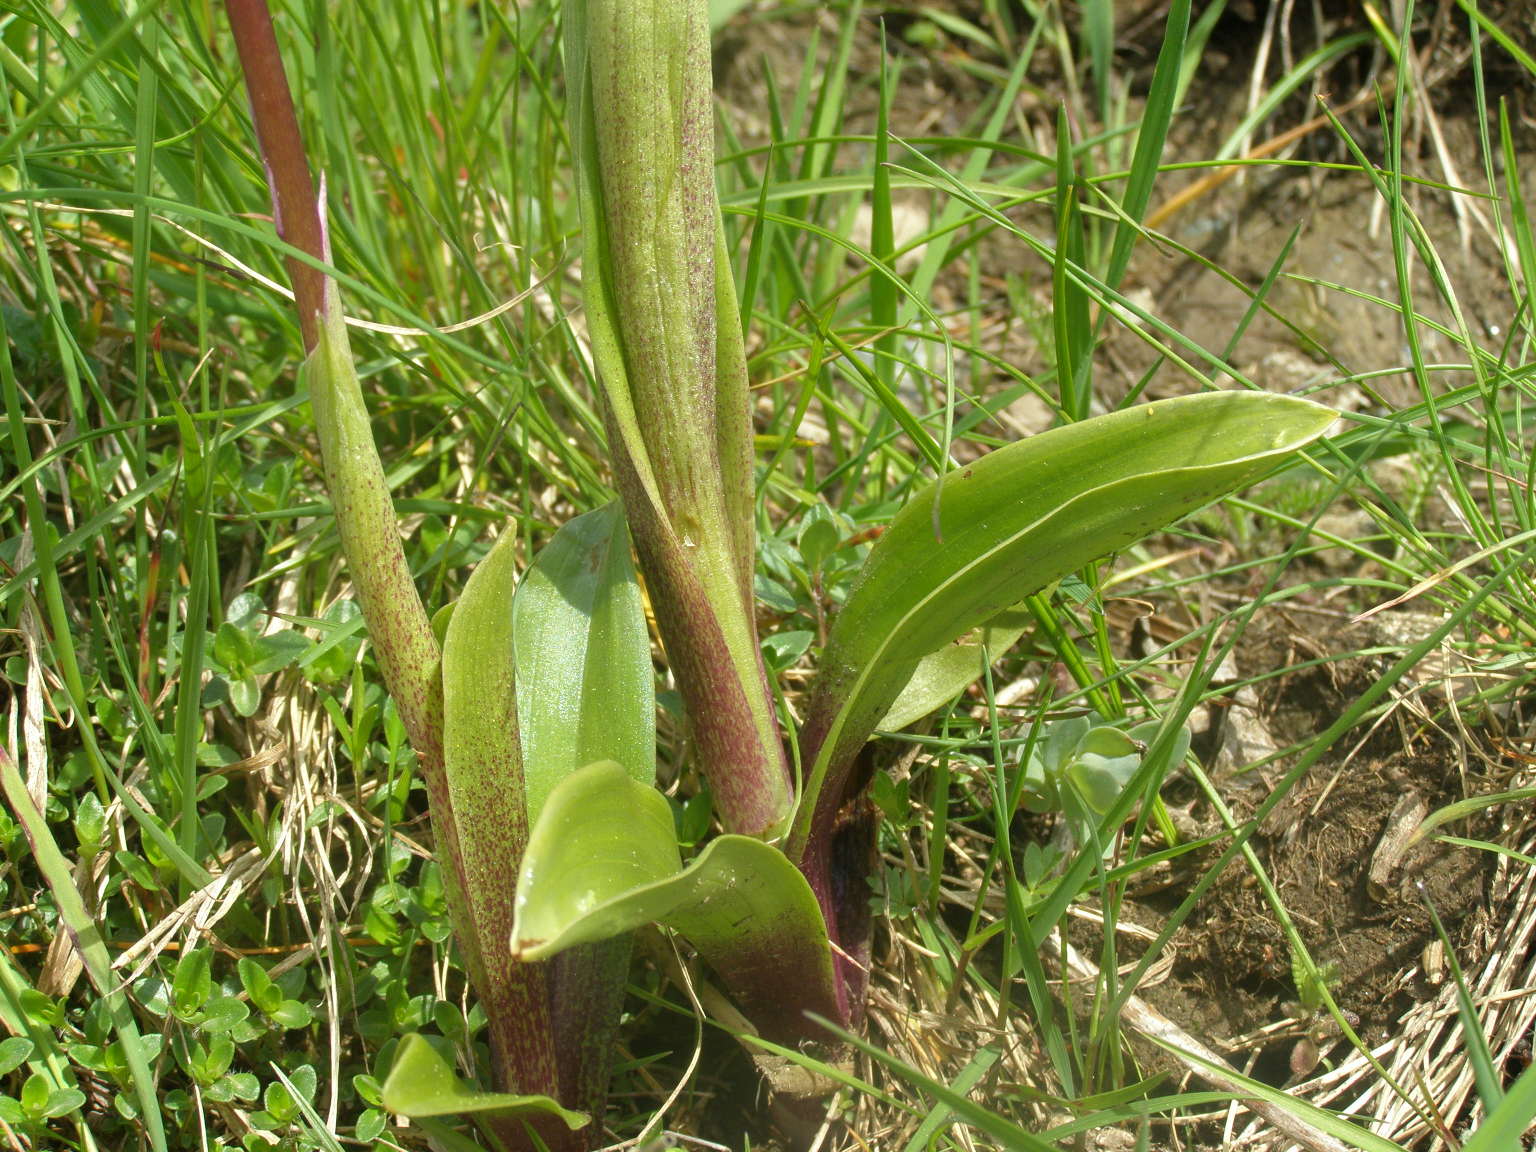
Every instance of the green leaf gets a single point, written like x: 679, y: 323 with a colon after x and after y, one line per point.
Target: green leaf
x: 221, y: 1053
x: 991, y: 533
x: 819, y: 537
x: 603, y: 859
x: 440, y: 620
x: 279, y: 1102
x: 34, y: 1095
x: 1106, y: 760
x: 782, y: 649
x: 1508, y: 1121
x: 662, y: 316
x: 223, y: 1013
x: 483, y: 774
x: 370, y: 1125
x: 481, y: 750
x: 943, y: 674
x: 421, y: 1084
x: 302, y: 1078
x: 368, y: 1089
x: 1302, y: 1109
x: 14, y: 1052
x: 278, y: 650
x: 42, y: 1009
x: 370, y: 537
x: 90, y: 824
x: 245, y: 695
x: 585, y: 686
x: 193, y: 981
x: 62, y: 1101
x: 258, y: 985
x: 234, y: 649
x: 292, y: 1014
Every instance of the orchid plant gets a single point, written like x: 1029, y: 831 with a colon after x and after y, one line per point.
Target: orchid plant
x: 530, y: 701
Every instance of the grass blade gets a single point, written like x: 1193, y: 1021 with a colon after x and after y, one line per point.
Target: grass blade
x: 1507, y: 1124
x: 1150, y: 139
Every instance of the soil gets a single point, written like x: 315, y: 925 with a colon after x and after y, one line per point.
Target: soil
x: 1234, y: 974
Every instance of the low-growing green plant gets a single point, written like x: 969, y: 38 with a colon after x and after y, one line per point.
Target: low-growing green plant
x: 1080, y: 765
x: 529, y: 701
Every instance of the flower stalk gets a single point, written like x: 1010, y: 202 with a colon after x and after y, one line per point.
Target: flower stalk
x: 661, y: 311
x: 477, y: 820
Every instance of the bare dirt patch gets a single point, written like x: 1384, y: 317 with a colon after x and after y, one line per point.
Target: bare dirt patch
x: 1235, y: 975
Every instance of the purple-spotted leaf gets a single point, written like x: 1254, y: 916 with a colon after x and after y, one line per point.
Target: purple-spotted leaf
x: 370, y: 535
x: 483, y: 771
x: 422, y: 1085
x: 603, y: 859
x: 666, y: 339
x: 537, y: 672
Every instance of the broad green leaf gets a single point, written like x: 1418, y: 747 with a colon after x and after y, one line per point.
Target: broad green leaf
x: 585, y: 692
x: 534, y: 675
x: 421, y: 1084
x: 943, y: 674
x: 483, y: 785
x: 991, y: 533
x: 585, y: 686
x: 603, y: 859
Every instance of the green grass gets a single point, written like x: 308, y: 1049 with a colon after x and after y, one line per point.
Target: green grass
x: 230, y: 819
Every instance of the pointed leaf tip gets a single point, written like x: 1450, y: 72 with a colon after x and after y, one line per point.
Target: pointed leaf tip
x: 585, y: 685
x: 1015, y: 520
x: 421, y: 1084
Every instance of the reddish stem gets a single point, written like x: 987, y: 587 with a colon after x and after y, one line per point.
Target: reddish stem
x: 295, y: 207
